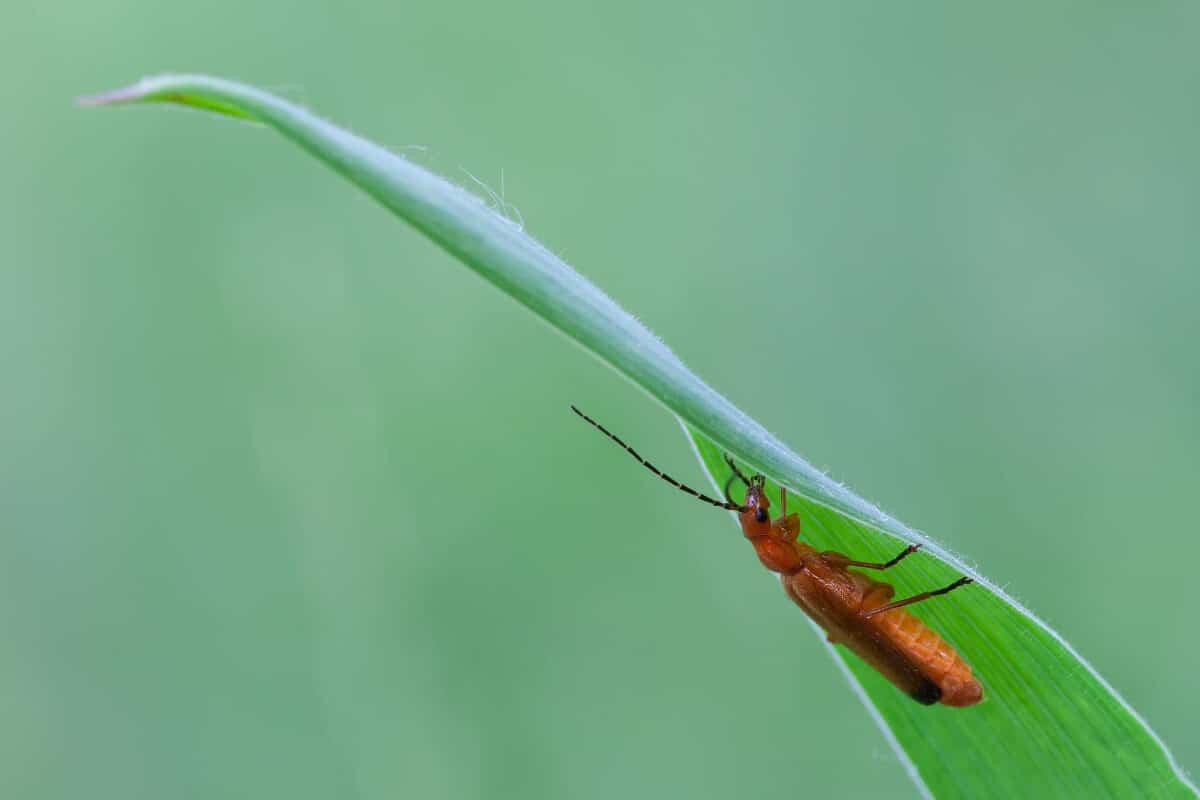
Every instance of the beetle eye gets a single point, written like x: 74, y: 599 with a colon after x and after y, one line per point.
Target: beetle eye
x: 761, y: 514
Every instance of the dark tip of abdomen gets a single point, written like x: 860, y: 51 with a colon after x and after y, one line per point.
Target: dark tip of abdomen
x: 927, y: 693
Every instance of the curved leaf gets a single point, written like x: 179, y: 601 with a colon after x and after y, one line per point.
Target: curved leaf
x: 1050, y: 726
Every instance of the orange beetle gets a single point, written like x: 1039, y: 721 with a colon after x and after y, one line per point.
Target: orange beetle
x: 855, y: 610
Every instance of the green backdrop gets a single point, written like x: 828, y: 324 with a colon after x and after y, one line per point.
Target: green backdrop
x: 293, y: 505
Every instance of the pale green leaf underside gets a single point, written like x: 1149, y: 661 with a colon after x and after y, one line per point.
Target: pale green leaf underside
x: 1050, y: 727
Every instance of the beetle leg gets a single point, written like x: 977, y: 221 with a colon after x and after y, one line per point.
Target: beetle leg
x: 905, y: 553
x: 916, y: 598
x: 787, y: 528
x: 876, y: 595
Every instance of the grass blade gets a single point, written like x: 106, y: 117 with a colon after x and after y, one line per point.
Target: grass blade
x: 1050, y: 727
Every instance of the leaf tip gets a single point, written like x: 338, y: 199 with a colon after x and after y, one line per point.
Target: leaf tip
x: 126, y: 94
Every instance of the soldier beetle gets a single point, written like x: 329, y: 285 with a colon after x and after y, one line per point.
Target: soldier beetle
x: 854, y: 610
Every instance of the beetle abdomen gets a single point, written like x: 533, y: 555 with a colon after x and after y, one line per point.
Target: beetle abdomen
x: 932, y: 655
x: 904, y: 650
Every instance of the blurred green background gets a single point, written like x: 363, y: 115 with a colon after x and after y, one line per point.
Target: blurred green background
x: 291, y: 504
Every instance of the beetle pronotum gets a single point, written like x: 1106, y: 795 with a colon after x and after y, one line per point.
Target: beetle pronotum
x: 854, y: 610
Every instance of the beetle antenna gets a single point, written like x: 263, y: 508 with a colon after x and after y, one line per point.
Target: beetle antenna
x: 729, y: 482
x: 741, y: 476
x: 729, y: 506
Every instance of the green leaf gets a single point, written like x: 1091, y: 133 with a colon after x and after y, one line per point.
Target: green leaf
x: 1049, y: 726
